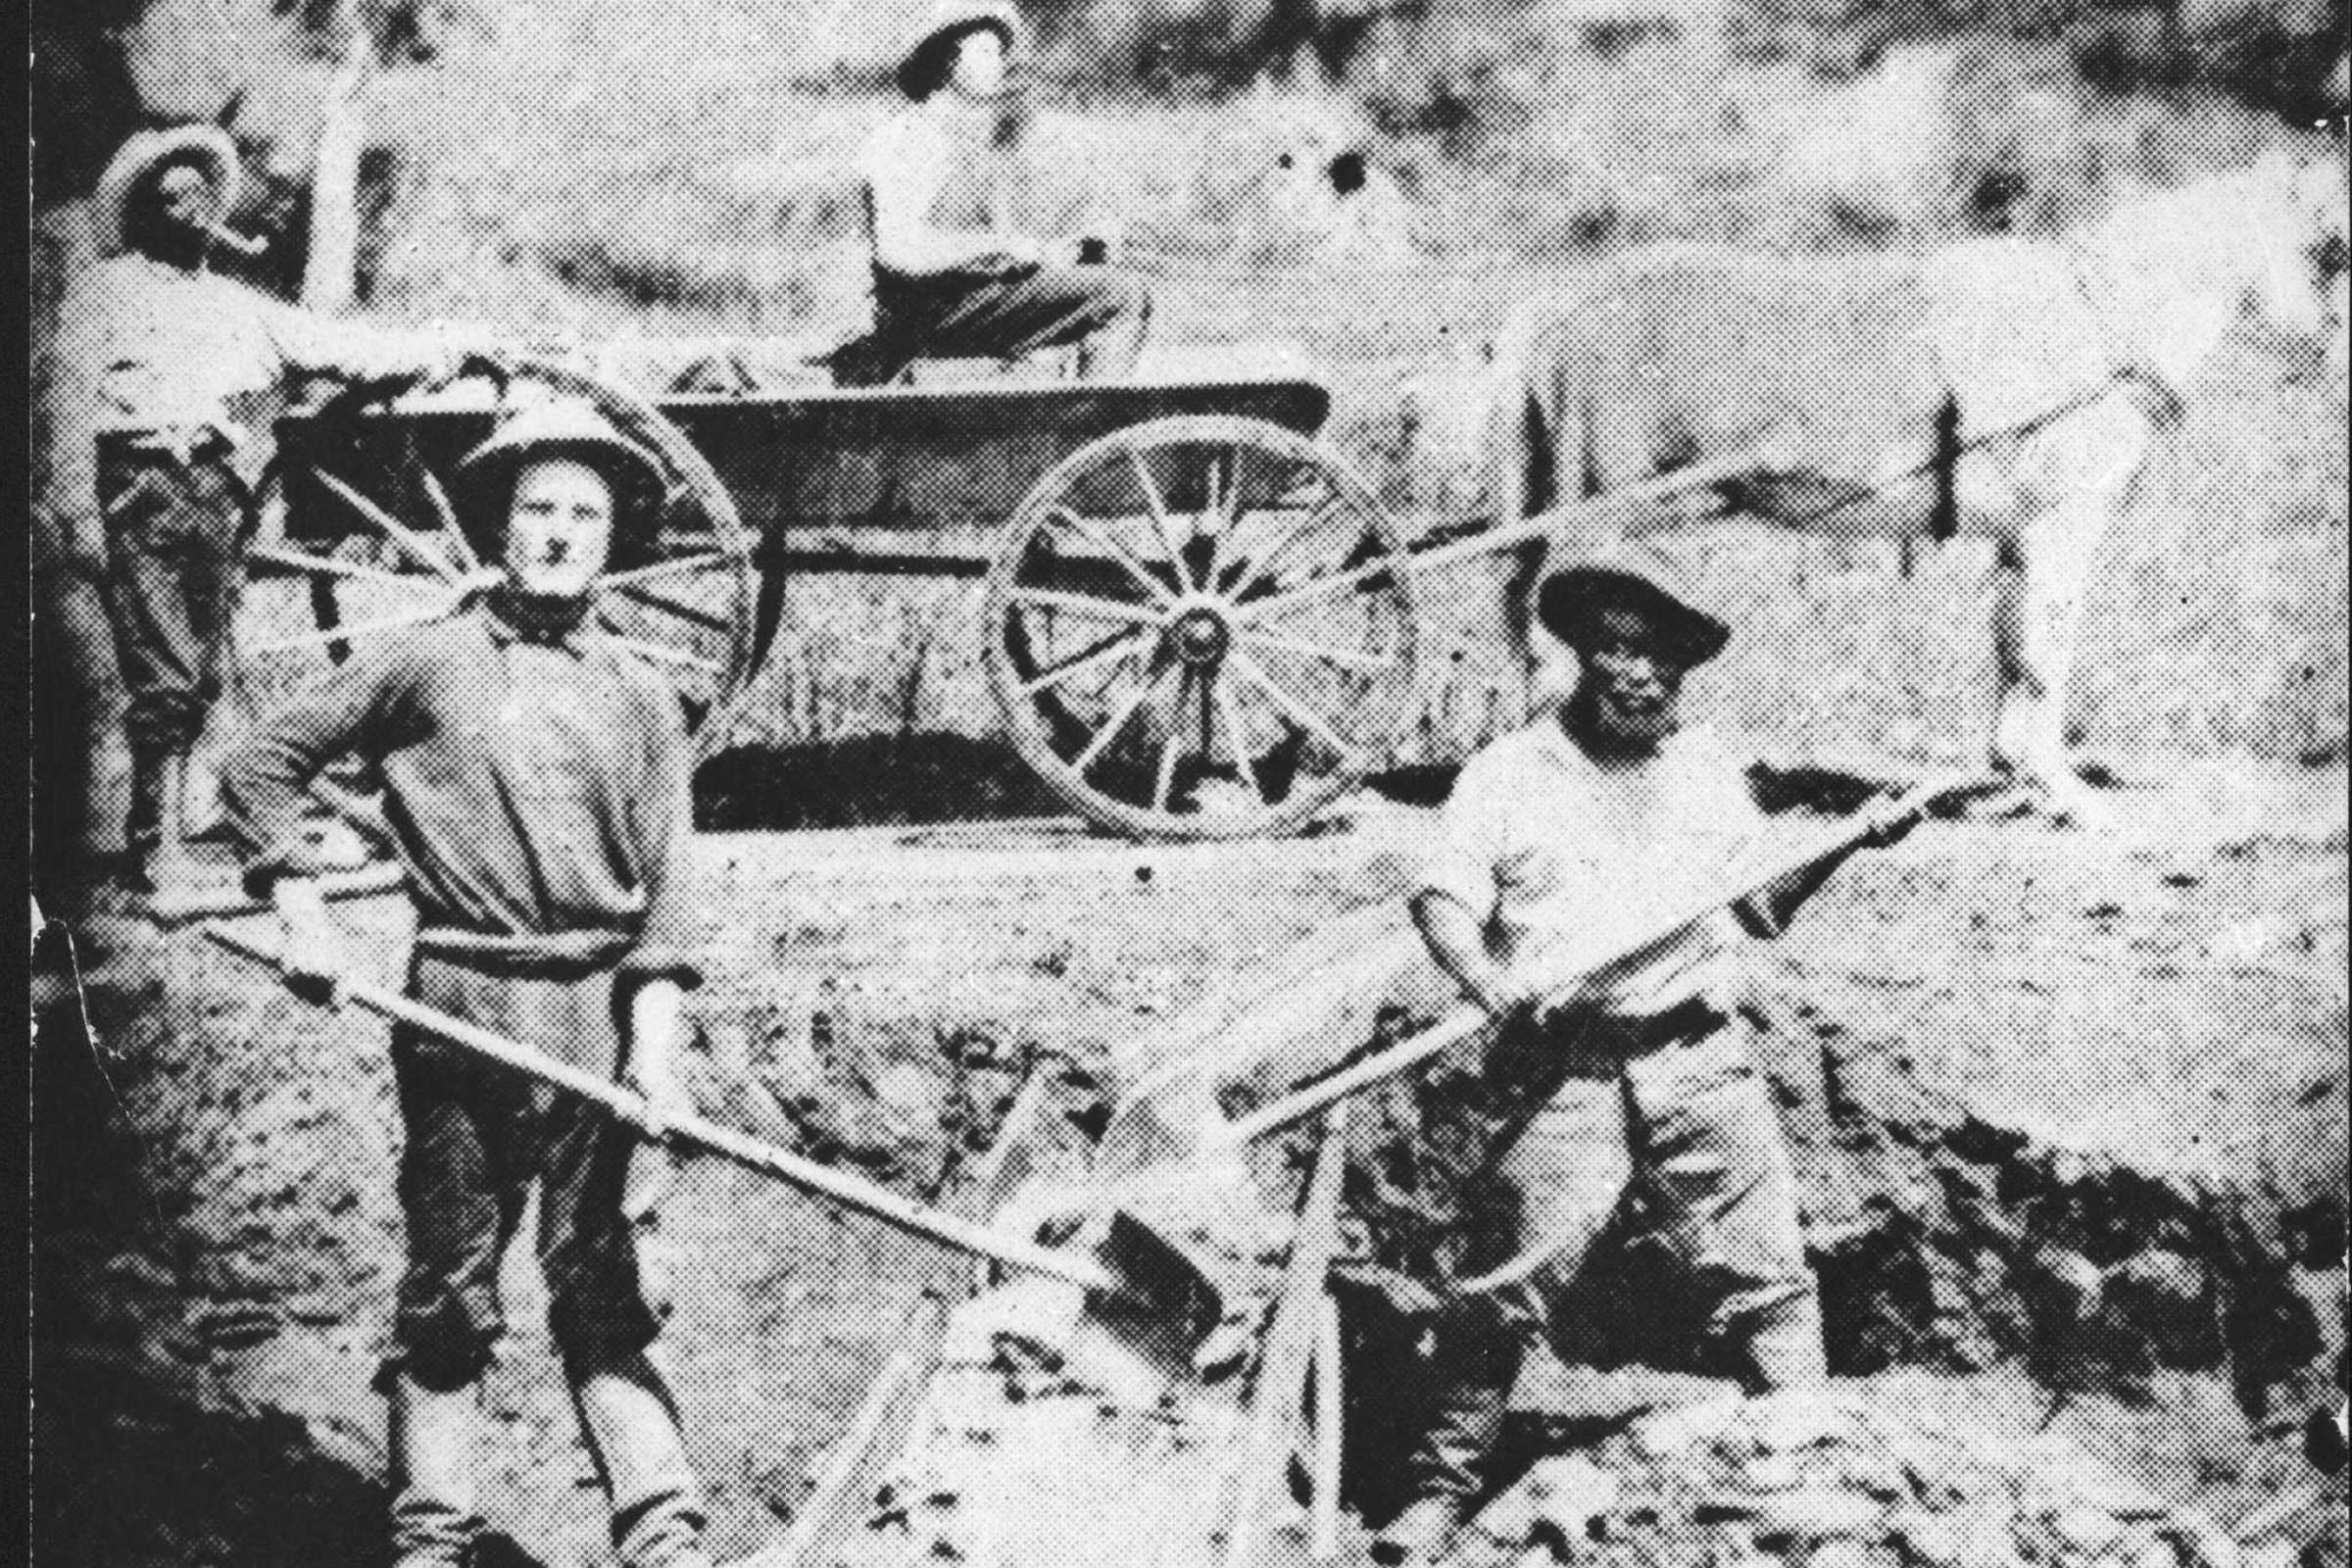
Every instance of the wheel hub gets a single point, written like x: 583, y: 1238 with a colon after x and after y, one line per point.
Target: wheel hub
x: 1200, y: 636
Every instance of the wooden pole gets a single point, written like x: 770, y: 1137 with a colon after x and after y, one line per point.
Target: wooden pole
x: 868, y: 1198
x: 1331, y: 1414
x: 850, y: 1475
x: 1572, y: 970
x: 1290, y: 1343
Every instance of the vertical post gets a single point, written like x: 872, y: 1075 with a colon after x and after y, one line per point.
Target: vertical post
x: 1291, y: 1336
x: 330, y: 264
x: 1331, y: 1411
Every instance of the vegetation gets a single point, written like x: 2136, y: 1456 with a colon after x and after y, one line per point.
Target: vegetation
x: 586, y: 169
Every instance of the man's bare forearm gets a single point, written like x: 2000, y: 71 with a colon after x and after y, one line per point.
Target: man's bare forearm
x: 1455, y: 941
x: 656, y: 1022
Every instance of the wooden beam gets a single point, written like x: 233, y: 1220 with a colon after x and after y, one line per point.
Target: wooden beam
x: 1290, y: 1344
x: 851, y: 1473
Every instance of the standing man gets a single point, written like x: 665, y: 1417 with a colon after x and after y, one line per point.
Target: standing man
x: 1606, y: 814
x: 164, y: 379
x: 536, y: 779
x: 952, y: 279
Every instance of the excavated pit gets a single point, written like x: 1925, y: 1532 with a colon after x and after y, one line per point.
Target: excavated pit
x: 2069, y: 1116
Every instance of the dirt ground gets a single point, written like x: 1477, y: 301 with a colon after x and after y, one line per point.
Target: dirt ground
x: 2139, y: 1039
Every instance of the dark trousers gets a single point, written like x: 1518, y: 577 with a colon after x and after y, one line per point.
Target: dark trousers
x: 1676, y: 1106
x: 172, y: 528
x: 986, y: 315
x: 479, y: 1136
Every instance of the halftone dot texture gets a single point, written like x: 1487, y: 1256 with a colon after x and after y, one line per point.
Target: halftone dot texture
x: 2066, y: 1106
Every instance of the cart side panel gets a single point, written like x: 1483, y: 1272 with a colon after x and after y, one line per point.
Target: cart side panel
x: 938, y: 458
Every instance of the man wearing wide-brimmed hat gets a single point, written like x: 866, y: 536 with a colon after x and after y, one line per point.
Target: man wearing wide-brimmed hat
x: 162, y: 380
x: 952, y: 279
x: 537, y: 784
x: 1604, y: 814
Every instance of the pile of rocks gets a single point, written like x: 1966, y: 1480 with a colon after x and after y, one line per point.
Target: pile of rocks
x: 1845, y: 1479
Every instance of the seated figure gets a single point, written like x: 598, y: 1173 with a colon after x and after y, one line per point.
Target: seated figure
x: 950, y: 279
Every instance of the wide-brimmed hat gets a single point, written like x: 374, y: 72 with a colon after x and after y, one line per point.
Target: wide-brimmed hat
x: 947, y: 17
x: 146, y: 151
x: 1634, y: 577
x: 561, y: 427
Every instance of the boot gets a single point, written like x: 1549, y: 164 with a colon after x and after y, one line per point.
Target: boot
x: 631, y: 1424
x: 434, y: 1524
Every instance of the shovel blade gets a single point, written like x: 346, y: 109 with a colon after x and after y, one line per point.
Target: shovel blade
x: 1165, y: 1297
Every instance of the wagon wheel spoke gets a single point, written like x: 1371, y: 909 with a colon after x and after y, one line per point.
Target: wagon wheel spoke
x: 672, y: 607
x: 1309, y: 593
x: 1079, y: 656
x: 1117, y: 722
x: 364, y: 628
x: 1256, y: 565
x: 1306, y: 717
x: 300, y: 561
x: 391, y: 527
x: 1163, y: 778
x: 657, y: 653
x: 1155, y: 591
x: 1237, y: 739
x: 1157, y: 507
x: 1068, y: 669
x: 1342, y: 658
x: 448, y: 516
x: 1218, y: 507
x: 708, y: 562
x: 1086, y: 605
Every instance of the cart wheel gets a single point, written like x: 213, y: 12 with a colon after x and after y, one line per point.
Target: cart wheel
x: 352, y: 538
x: 1198, y: 629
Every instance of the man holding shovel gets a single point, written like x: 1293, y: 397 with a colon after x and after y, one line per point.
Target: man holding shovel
x: 536, y: 782
x: 1597, y: 817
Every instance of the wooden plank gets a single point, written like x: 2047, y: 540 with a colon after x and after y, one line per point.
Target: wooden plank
x: 851, y: 1473
x: 888, y: 458
x: 1331, y: 1414
x: 1291, y: 1336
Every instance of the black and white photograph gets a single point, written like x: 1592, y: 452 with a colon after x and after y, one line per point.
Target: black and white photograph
x: 1188, y: 783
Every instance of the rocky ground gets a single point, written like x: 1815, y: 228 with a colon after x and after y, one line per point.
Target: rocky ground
x: 2071, y: 1113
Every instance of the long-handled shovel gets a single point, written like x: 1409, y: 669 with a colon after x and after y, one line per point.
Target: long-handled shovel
x: 1152, y: 1145
x: 1155, y: 1297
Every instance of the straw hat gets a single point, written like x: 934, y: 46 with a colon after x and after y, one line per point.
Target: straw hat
x: 945, y: 16
x: 146, y: 151
x: 561, y: 427
x: 1634, y: 578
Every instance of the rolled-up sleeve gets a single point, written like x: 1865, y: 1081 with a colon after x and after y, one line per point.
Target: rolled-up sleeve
x: 1469, y: 842
x: 266, y: 782
x: 668, y: 946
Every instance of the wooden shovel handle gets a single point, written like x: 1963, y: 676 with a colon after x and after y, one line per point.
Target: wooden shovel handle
x: 868, y: 1198
x: 1467, y: 1021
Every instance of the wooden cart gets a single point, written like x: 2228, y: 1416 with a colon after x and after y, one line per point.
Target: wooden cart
x: 1197, y: 620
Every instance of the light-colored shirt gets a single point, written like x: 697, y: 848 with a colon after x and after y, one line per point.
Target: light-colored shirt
x: 935, y: 180
x: 1565, y: 860
x: 144, y: 346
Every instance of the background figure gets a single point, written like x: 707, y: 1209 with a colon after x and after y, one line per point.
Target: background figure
x: 952, y: 278
x: 162, y: 381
